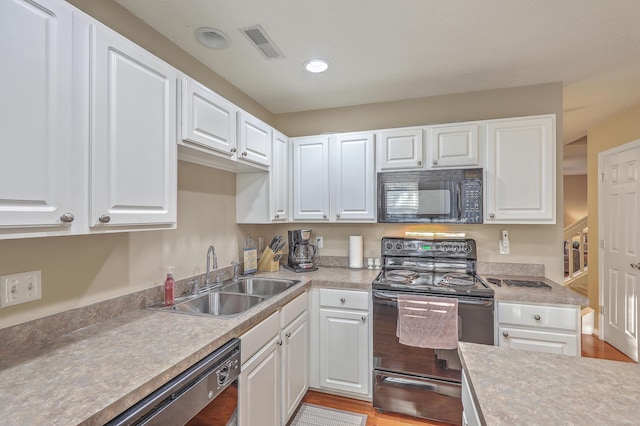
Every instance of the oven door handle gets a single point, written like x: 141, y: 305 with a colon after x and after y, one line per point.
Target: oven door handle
x: 390, y: 296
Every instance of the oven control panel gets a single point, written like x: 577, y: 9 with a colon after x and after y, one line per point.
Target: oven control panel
x: 465, y: 248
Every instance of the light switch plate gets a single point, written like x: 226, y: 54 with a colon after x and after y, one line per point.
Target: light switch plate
x: 319, y: 242
x: 20, y: 288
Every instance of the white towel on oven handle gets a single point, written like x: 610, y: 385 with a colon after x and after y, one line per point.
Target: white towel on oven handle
x: 427, y: 321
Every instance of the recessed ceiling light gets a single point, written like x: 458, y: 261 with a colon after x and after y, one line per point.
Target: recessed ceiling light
x: 212, y: 38
x: 316, y: 65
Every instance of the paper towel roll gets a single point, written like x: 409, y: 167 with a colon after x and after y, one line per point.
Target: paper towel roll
x: 356, y: 248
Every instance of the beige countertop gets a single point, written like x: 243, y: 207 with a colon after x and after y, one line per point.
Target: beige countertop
x: 91, y: 375
x: 513, y: 387
x: 557, y: 294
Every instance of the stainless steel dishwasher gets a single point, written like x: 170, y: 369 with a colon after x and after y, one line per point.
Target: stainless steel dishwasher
x: 207, y: 389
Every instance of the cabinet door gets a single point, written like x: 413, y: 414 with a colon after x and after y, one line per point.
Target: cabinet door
x: 259, y: 388
x: 521, y: 170
x: 208, y: 119
x: 254, y: 139
x: 538, y: 340
x: 400, y: 149
x: 280, y: 177
x: 36, y: 82
x: 295, y: 364
x: 133, y: 147
x: 344, y: 347
x: 311, y: 178
x: 470, y: 415
x: 353, y: 175
x: 454, y: 145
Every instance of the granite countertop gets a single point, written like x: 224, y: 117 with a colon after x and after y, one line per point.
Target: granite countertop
x: 557, y: 294
x: 513, y: 387
x: 91, y: 375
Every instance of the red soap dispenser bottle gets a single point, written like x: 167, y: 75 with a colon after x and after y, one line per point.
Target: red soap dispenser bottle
x: 169, y: 288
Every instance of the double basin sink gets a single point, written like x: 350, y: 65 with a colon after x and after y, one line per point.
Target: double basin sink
x: 232, y: 299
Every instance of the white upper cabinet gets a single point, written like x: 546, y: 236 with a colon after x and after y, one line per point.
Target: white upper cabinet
x: 400, y: 149
x: 132, y: 133
x: 279, y: 205
x: 353, y: 177
x: 207, y: 119
x: 454, y: 145
x: 521, y: 170
x: 263, y: 197
x: 36, y: 149
x: 311, y: 178
x: 254, y: 140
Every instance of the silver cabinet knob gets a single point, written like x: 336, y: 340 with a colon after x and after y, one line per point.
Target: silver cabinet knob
x: 324, y: 216
x: 491, y: 215
x: 244, y: 153
x: 287, y: 334
x: 343, y: 300
x: 67, y: 218
x: 105, y: 218
x: 435, y: 161
x: 635, y: 265
x: 277, y: 216
x: 337, y: 215
x: 419, y: 163
x: 536, y: 317
x: 233, y: 149
x: 505, y: 334
x: 279, y: 343
x: 363, y: 318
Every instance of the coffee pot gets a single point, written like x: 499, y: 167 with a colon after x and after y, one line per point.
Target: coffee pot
x: 301, y: 252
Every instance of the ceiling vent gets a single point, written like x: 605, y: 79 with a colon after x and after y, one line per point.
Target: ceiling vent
x: 262, y: 42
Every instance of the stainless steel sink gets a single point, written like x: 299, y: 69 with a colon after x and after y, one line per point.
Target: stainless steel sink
x: 265, y: 287
x: 219, y: 304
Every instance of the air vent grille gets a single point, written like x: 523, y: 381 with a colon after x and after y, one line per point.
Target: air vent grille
x: 262, y: 42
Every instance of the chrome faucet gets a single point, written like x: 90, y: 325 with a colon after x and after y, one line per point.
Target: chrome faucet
x: 211, y: 253
x: 236, y: 266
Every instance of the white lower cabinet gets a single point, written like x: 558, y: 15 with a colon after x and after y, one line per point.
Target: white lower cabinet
x: 340, y: 347
x: 540, y: 328
x: 274, y: 372
x: 470, y: 415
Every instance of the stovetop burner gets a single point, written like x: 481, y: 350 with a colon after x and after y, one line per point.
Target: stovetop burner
x: 445, y: 267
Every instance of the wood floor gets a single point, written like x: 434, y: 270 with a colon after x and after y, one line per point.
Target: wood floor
x: 592, y: 347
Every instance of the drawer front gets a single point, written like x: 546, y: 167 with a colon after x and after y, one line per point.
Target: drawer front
x: 293, y: 309
x: 253, y: 340
x: 539, y: 341
x: 562, y: 318
x: 346, y: 299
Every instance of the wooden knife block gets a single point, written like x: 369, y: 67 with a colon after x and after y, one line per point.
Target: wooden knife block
x: 266, y: 262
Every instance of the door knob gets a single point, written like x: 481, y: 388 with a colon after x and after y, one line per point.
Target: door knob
x: 287, y: 334
x: 342, y: 300
x: 244, y: 153
x: 363, y: 318
x: 233, y: 149
x: 435, y: 161
x: 635, y: 265
x: 105, y: 218
x: 491, y: 215
x: 419, y: 163
x: 536, y: 317
x: 505, y: 334
x: 67, y: 218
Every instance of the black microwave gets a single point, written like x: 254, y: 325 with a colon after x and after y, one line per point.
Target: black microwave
x: 430, y: 196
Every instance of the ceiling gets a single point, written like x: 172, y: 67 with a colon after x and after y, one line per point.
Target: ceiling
x: 385, y: 50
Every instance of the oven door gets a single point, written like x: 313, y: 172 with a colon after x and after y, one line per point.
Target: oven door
x: 475, y: 325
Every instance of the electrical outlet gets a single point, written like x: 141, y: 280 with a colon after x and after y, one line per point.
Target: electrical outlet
x: 20, y: 288
x: 319, y: 242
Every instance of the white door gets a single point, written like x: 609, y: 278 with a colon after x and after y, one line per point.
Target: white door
x: 400, y: 149
x: 279, y: 177
x: 254, y: 139
x: 354, y: 177
x: 208, y: 119
x: 311, y: 178
x: 521, y: 170
x: 619, y: 212
x: 36, y: 78
x: 133, y: 134
x: 344, y: 351
x: 295, y: 362
x: 259, y: 387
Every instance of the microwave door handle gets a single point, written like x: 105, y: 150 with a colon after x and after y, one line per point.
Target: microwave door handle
x: 459, y: 200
